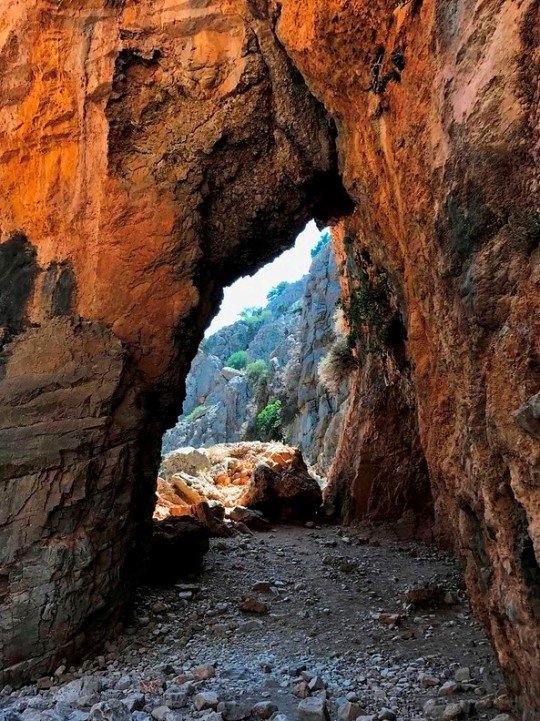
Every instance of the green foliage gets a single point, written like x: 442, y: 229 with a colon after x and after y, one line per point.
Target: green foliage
x: 269, y: 422
x: 255, y: 317
x: 195, y: 414
x: 237, y: 360
x: 323, y: 240
x: 256, y: 370
x: 277, y: 290
x: 372, y: 320
x: 250, y: 312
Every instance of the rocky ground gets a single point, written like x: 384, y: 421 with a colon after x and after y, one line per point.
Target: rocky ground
x: 298, y: 623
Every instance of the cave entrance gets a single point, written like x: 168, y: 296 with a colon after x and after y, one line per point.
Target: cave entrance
x: 261, y: 377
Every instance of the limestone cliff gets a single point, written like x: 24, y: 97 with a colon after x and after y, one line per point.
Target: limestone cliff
x: 294, y: 332
x: 152, y: 151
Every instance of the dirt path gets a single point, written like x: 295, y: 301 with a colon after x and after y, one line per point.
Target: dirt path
x: 323, y: 590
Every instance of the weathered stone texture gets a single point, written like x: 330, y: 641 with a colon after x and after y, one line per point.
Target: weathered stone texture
x: 155, y: 150
x: 148, y: 155
x: 437, y: 107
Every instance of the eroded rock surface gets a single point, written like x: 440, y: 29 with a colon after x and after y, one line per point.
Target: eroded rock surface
x: 150, y: 152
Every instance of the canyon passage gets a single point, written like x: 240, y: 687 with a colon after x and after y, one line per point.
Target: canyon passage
x: 151, y: 152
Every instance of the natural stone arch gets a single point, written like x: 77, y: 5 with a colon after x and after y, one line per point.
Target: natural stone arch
x: 143, y: 150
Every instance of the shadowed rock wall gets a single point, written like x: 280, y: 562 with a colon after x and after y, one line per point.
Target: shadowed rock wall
x: 437, y: 109
x: 149, y: 151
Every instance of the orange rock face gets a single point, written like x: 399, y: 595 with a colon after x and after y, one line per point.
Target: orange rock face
x: 152, y: 151
x: 437, y: 109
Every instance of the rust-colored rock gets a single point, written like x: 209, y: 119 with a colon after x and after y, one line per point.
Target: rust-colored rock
x: 437, y: 107
x: 152, y: 151
x: 270, y: 478
x: 149, y: 153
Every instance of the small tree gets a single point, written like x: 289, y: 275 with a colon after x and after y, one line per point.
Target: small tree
x: 277, y: 290
x: 323, y: 240
x: 269, y: 422
x: 256, y: 370
x: 237, y: 360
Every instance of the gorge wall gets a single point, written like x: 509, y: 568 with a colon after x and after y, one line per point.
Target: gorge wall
x: 280, y: 346
x: 150, y: 152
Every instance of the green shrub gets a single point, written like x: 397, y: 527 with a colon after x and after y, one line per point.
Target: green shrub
x: 237, y: 360
x: 195, y: 414
x: 256, y: 370
x: 337, y: 365
x: 277, y: 290
x: 323, y: 240
x: 255, y: 317
x: 269, y: 422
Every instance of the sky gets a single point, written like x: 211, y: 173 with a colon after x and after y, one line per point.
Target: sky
x: 252, y: 290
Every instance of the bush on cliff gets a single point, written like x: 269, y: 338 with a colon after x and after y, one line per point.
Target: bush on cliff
x: 269, y: 423
x: 255, y: 317
x: 337, y: 365
x: 237, y: 360
x: 195, y: 414
x: 323, y: 240
x: 256, y: 370
x: 277, y: 290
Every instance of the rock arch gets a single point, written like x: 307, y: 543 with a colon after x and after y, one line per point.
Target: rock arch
x: 149, y: 153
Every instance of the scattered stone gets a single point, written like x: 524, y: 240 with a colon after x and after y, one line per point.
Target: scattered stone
x: 205, y: 700
x: 254, y: 520
x: 253, y: 605
x: 234, y: 710
x: 160, y: 713
x: 428, y: 681
x: 264, y: 709
x: 389, y: 619
x: 300, y: 690
x: 204, y: 671
x: 386, y: 714
x: 110, y: 711
x: 316, y: 684
x: 349, y: 711
x: 313, y: 709
x: 448, y: 688
x: 463, y: 674
x: 262, y: 586
x: 429, y: 595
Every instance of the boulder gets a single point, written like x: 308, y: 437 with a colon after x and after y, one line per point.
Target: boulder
x: 184, y: 460
x: 178, y: 547
x: 253, y: 519
x: 287, y: 494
